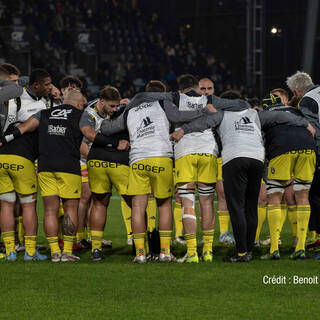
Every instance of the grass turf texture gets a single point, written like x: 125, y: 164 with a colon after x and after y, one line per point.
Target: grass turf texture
x: 118, y: 289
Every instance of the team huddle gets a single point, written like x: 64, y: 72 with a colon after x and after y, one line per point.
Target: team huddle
x: 260, y: 160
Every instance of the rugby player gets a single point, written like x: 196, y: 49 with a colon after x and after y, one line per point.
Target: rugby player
x: 303, y: 88
x: 17, y: 177
x: 242, y: 156
x: 291, y: 156
x: 206, y: 87
x: 59, y: 168
x: 107, y: 166
x: 195, y: 166
x: 150, y: 167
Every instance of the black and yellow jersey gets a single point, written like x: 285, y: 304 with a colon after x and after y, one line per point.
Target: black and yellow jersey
x: 59, y: 139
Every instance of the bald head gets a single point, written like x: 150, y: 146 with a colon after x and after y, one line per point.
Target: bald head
x: 206, y: 87
x: 74, y: 97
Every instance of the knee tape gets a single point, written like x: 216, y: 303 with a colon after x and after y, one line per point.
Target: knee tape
x: 8, y: 196
x: 27, y: 198
x: 299, y: 185
x: 205, y: 191
x: 274, y: 186
x: 188, y: 213
x: 187, y: 191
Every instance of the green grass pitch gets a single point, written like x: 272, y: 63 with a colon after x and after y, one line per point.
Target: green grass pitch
x: 118, y: 289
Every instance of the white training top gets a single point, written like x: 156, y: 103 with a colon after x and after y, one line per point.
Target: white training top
x: 196, y: 142
x: 241, y: 136
x: 149, y: 132
x: 92, y: 111
x: 30, y: 106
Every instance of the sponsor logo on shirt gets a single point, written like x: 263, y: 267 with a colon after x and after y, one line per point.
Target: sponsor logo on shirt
x: 60, y: 114
x: 56, y: 130
x: 244, y: 125
x: 146, y: 128
x: 142, y: 106
x: 194, y: 106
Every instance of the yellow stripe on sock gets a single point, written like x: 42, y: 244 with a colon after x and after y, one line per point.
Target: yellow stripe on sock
x: 303, y: 215
x: 191, y: 241
x: 207, y: 236
x: 224, y: 219
x: 262, y: 214
x: 30, y: 244
x: 165, y: 240
x: 53, y: 244
x: 8, y: 239
x: 139, y: 239
x: 68, y: 243
x: 274, y: 220
x: 96, y: 239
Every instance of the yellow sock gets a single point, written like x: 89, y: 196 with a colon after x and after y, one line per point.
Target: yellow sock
x: 177, y: 215
x: 146, y: 243
x: 80, y: 234
x: 207, y: 240
x: 151, y: 214
x: 303, y: 215
x: 224, y: 219
x: 89, y: 233
x: 54, y: 246
x: 8, y: 239
x: 96, y: 238
x: 20, y: 229
x: 292, y: 216
x: 139, y: 243
x: 68, y: 243
x: 165, y: 240
x: 30, y: 243
x: 283, y: 215
x: 262, y: 214
x: 126, y: 214
x: 191, y: 240
x: 274, y: 220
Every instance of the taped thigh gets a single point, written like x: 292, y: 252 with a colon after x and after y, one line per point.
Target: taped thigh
x: 299, y: 185
x: 187, y: 191
x: 274, y: 186
x: 27, y: 198
x: 8, y: 196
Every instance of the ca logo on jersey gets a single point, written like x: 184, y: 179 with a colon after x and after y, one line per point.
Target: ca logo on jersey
x: 60, y: 114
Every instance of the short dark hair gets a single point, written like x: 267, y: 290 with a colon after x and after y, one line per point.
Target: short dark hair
x: 156, y: 86
x: 71, y: 81
x: 186, y: 81
x: 230, y: 94
x: 38, y: 75
x: 11, y: 69
x: 254, y: 102
x: 110, y: 93
x: 3, y: 72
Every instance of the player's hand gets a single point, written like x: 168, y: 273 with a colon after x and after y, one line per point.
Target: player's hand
x: 123, y: 145
x: 124, y: 101
x: 311, y: 129
x: 211, y: 108
x: 177, y: 135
